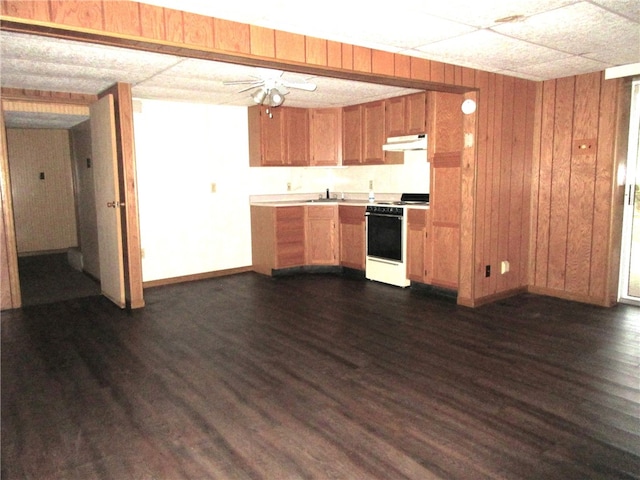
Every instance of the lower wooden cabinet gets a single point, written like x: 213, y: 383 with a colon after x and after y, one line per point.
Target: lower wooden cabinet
x: 277, y: 237
x: 318, y: 235
x: 352, y: 237
x: 321, y: 235
x: 419, y: 246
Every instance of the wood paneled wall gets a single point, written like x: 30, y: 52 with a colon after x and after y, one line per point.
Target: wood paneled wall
x: 496, y: 203
x: 575, y: 202
x: 42, y: 186
x: 505, y: 120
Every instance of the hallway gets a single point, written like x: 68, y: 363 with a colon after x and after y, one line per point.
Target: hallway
x: 49, y: 278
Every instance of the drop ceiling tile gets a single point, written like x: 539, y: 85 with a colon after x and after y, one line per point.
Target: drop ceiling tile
x: 492, y: 50
x: 382, y: 28
x: 557, y: 69
x: 580, y: 29
x: 626, y: 8
x: 484, y: 13
x: 131, y: 65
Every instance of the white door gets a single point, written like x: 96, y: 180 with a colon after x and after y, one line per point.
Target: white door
x: 629, y: 291
x: 108, y: 207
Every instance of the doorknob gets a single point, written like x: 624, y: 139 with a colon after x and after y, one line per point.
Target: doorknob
x: 115, y: 204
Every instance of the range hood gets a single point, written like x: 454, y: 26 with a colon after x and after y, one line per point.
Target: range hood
x: 407, y: 142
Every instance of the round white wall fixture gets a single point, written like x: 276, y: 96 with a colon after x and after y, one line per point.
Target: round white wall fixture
x: 468, y: 106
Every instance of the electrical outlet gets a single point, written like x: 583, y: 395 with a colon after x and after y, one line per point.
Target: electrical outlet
x: 288, y: 186
x: 370, y: 184
x: 487, y: 271
x: 214, y: 188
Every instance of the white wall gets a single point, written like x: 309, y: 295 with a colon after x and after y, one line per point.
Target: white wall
x: 182, y: 148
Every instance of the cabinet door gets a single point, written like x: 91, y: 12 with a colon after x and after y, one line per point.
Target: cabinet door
x: 395, y: 116
x: 296, y: 136
x: 271, y: 137
x: 352, y: 135
x: 289, y: 237
x: 325, y: 134
x: 352, y: 237
x: 322, y: 247
x: 416, y: 231
x: 415, y: 114
x: 419, y: 251
x: 373, y: 132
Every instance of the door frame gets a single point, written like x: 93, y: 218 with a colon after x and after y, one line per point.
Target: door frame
x: 125, y: 148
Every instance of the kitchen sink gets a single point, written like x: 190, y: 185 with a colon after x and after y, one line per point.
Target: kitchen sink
x: 323, y: 200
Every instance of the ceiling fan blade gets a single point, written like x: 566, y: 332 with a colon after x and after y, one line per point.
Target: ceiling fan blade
x: 250, y: 87
x: 243, y: 82
x: 309, y: 87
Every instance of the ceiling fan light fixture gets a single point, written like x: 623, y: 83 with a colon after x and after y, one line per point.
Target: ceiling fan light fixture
x: 275, y: 97
x: 259, y: 96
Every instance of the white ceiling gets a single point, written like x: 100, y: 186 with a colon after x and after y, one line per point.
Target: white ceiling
x: 552, y: 39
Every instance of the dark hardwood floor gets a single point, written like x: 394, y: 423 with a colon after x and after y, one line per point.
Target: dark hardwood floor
x: 319, y: 376
x: 49, y: 278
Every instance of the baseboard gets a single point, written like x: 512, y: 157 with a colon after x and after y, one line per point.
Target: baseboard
x: 478, y: 302
x: 574, y: 297
x: 436, y: 291
x: 196, y: 277
x: 307, y: 269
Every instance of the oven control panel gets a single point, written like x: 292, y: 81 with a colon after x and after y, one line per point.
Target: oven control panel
x: 384, y: 210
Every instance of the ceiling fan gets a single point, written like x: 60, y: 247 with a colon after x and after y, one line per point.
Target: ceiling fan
x: 270, y: 86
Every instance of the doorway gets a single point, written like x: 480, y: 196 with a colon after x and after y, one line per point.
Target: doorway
x: 629, y: 291
x: 50, y: 198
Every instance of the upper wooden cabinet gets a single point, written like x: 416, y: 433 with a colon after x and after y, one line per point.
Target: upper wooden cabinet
x: 296, y: 136
x: 416, y: 114
x: 265, y: 137
x: 352, y: 135
x: 280, y: 137
x: 373, y: 132
x: 325, y: 136
x: 363, y: 134
x: 406, y: 115
x: 395, y: 112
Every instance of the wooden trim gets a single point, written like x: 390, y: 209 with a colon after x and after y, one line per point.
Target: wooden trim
x: 128, y: 192
x: 575, y: 297
x: 44, y: 107
x: 478, y: 302
x: 33, y: 96
x: 468, y: 178
x: 196, y: 277
x: 8, y: 244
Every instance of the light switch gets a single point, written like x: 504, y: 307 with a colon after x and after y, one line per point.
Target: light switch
x: 213, y: 188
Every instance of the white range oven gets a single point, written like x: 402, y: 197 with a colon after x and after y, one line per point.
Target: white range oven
x: 386, y: 227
